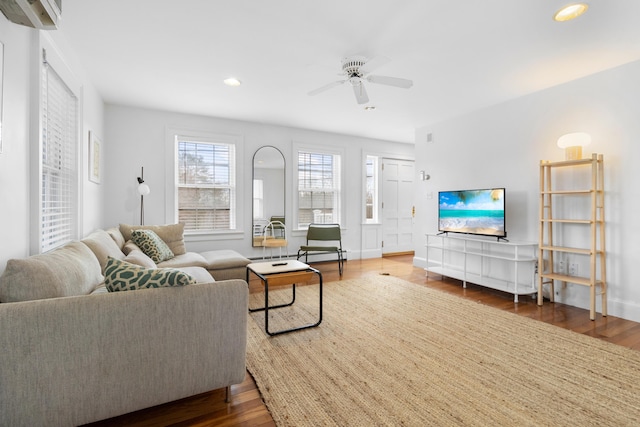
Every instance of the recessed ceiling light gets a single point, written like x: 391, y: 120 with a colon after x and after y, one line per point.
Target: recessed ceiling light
x: 570, y: 12
x: 232, y: 81
x: 369, y: 108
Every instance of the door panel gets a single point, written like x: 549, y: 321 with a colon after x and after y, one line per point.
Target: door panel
x: 397, y: 205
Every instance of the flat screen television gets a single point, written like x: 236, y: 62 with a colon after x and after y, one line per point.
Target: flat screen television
x: 480, y: 212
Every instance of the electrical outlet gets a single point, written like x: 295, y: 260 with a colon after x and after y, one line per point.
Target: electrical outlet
x: 561, y: 268
x: 573, y: 269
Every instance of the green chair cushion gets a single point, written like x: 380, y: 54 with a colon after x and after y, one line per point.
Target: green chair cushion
x: 319, y: 248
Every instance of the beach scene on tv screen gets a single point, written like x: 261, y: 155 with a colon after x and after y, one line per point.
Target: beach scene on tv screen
x: 472, y: 211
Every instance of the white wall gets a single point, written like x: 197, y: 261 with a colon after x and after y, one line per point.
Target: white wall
x: 138, y: 137
x: 502, y: 146
x: 20, y: 100
x: 14, y: 160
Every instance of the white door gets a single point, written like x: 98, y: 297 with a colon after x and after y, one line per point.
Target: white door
x: 397, y: 205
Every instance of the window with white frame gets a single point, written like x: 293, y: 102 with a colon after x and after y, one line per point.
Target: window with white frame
x: 58, y: 161
x: 318, y: 188
x: 371, y: 190
x: 206, y: 185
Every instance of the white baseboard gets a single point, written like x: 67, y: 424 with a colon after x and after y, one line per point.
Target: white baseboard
x: 623, y: 309
x: 371, y: 253
x: 419, y: 262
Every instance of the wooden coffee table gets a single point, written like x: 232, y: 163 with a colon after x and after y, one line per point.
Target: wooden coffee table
x: 283, y: 272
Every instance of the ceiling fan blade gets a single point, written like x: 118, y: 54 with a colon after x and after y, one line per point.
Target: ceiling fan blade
x: 391, y: 81
x: 374, y: 63
x: 361, y: 93
x: 326, y: 87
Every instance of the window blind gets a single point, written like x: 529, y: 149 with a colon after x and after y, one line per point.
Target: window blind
x: 59, y: 194
x: 318, y: 188
x: 206, y: 185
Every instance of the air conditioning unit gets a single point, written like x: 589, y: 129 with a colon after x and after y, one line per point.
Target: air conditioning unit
x: 40, y: 14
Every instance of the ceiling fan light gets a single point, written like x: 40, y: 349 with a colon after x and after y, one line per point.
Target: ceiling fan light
x: 570, y: 12
x: 356, y: 71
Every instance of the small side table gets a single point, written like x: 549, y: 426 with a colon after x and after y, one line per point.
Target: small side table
x: 287, y: 272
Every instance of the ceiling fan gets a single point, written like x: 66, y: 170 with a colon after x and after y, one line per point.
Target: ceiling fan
x: 356, y: 69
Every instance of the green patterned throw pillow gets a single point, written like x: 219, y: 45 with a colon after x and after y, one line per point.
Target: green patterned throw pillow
x: 152, y: 245
x: 123, y: 276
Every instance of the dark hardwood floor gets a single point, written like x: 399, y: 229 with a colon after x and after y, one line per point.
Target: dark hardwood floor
x: 246, y: 407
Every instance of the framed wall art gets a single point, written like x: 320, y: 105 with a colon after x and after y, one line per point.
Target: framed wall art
x: 94, y: 158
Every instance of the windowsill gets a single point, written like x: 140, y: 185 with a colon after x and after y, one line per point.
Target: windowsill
x: 213, y: 235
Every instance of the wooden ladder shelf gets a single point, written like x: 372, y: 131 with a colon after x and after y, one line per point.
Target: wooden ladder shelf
x: 553, y: 219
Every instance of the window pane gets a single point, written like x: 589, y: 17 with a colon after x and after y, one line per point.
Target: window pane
x: 202, y: 164
x: 204, y: 198
x: 371, y: 190
x: 315, y: 170
x: 205, y: 179
x: 318, y: 188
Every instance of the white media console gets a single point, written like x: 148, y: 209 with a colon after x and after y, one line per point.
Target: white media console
x: 507, y: 266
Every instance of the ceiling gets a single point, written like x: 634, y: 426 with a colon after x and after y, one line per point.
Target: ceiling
x: 461, y: 55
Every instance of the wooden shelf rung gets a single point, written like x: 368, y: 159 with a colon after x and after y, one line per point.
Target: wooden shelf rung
x: 567, y: 192
x: 566, y: 249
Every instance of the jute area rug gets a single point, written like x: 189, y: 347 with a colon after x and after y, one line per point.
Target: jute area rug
x: 392, y: 353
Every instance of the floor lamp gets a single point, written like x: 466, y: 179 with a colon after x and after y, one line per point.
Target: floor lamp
x: 143, y: 190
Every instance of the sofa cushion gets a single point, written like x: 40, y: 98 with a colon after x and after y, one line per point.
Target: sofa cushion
x: 103, y: 246
x: 67, y: 271
x: 200, y: 274
x: 224, y: 258
x: 185, y: 260
x: 171, y: 234
x: 138, y: 257
x: 102, y: 289
x: 123, y: 276
x: 130, y: 247
x: 117, y: 236
x: 152, y: 245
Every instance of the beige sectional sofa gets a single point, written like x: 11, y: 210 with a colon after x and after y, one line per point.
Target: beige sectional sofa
x: 73, y: 353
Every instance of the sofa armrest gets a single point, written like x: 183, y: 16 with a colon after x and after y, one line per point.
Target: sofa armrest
x: 74, y: 360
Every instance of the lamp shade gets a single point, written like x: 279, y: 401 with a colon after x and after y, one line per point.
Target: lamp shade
x: 573, y: 143
x: 143, y: 189
x: 581, y: 139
